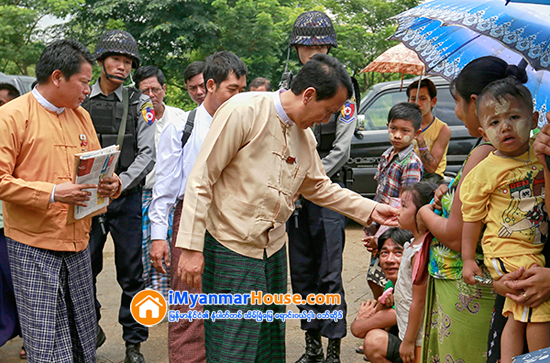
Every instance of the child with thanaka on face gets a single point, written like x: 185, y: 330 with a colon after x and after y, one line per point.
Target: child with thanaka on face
x: 505, y: 192
x: 409, y: 298
x: 399, y: 166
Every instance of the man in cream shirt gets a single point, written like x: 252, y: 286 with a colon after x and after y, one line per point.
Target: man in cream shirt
x: 258, y: 154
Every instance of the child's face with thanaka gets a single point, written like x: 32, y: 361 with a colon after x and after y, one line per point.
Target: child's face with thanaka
x: 406, y: 218
x: 401, y: 133
x: 506, y: 123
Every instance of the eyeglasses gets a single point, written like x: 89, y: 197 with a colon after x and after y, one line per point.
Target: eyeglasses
x: 148, y: 91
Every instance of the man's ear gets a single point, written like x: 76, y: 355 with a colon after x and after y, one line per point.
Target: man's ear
x: 309, y: 95
x: 56, y: 77
x: 164, y: 87
x: 211, y: 85
x: 535, y: 120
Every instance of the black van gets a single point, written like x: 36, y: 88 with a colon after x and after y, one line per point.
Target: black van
x: 371, y: 138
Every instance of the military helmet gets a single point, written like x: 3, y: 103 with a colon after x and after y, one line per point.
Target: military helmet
x: 313, y: 28
x: 117, y: 42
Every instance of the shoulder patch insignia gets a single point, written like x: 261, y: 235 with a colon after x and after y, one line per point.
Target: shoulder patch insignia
x: 148, y: 112
x: 347, y: 113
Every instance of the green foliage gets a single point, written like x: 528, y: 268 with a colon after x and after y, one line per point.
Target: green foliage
x: 21, y: 41
x: 173, y: 33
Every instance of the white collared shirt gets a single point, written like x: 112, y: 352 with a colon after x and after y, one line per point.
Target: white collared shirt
x: 171, y: 115
x: 174, y: 165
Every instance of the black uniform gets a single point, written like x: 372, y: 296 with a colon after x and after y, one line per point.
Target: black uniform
x: 317, y: 234
x: 123, y: 217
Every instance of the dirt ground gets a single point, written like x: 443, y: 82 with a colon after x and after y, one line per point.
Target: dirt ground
x: 356, y: 260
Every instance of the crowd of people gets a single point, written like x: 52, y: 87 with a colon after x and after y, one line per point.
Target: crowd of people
x: 204, y: 201
x: 482, y: 268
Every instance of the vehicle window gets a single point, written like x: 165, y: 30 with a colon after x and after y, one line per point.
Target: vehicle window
x: 445, y: 107
x: 376, y: 116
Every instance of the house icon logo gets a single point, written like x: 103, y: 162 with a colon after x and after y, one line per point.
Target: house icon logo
x: 148, y: 307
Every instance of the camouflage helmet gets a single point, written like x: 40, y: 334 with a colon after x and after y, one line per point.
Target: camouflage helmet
x: 117, y: 42
x: 313, y: 28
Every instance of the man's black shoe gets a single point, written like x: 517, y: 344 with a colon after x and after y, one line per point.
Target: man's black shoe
x: 333, y: 351
x: 133, y: 355
x: 100, y: 339
x: 314, y: 348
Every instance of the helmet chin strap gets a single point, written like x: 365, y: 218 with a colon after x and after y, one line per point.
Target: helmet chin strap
x: 111, y: 76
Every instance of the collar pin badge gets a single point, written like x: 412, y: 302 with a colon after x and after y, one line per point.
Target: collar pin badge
x: 291, y: 160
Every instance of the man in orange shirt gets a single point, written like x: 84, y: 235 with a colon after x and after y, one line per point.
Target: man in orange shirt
x: 40, y: 133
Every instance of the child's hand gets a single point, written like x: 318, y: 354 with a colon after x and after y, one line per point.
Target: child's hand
x: 386, y: 299
x: 469, y: 270
x: 370, y: 243
x: 541, y: 145
x: 406, y: 351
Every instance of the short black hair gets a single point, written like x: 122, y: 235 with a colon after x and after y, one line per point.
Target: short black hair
x: 66, y: 55
x: 422, y: 192
x: 399, y: 236
x: 12, y: 91
x: 192, y: 70
x: 432, y: 89
x: 148, y: 71
x: 503, y: 88
x: 406, y: 111
x: 260, y: 81
x: 220, y: 64
x: 325, y: 74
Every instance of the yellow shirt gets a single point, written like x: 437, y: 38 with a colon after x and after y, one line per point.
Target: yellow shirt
x: 250, y: 166
x: 508, y: 196
x: 37, y: 149
x: 430, y: 135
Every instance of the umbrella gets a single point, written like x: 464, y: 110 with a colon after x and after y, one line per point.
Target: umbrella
x: 522, y: 28
x: 397, y: 59
x: 447, y: 44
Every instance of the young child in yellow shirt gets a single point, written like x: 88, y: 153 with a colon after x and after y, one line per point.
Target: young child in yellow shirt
x: 505, y: 192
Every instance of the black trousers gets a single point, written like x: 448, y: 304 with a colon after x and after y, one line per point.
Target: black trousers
x: 315, y: 252
x: 123, y: 221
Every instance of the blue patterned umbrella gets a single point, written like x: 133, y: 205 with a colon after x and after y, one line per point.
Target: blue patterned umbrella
x: 448, y: 34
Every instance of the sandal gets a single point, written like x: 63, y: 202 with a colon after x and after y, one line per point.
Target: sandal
x: 359, y: 350
x: 23, y: 353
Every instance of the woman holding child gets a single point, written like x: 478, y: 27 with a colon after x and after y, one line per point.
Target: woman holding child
x: 456, y: 312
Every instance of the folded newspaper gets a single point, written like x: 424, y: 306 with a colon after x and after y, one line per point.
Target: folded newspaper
x: 90, y: 168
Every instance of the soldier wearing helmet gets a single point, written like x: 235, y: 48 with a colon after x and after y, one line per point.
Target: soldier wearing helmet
x: 315, y: 228
x: 123, y: 116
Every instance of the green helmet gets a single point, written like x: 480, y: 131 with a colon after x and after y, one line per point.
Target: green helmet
x: 313, y: 28
x: 117, y: 42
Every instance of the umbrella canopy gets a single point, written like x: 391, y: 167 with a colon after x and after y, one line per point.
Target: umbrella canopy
x: 447, y: 44
x: 522, y: 28
x: 397, y: 59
